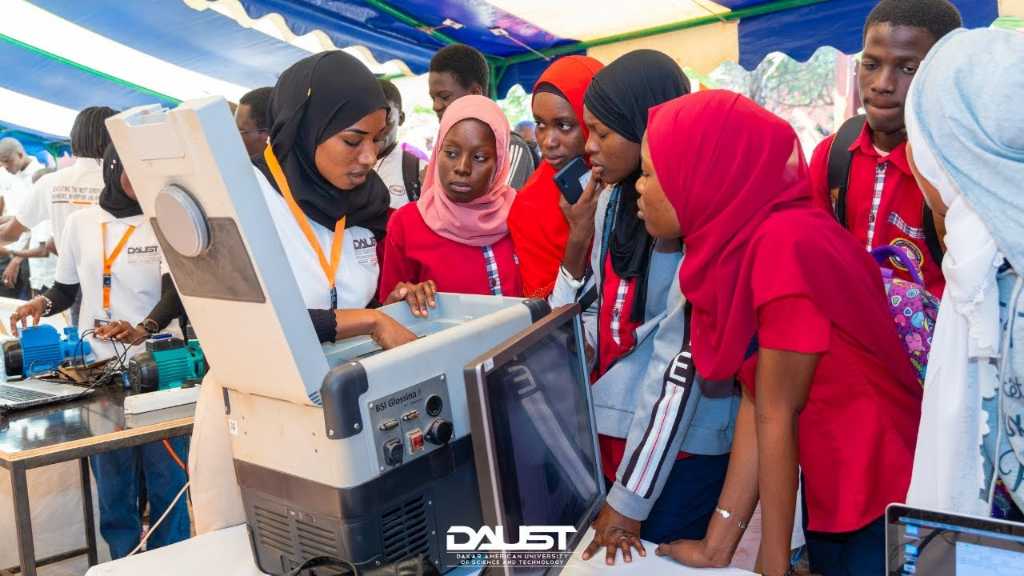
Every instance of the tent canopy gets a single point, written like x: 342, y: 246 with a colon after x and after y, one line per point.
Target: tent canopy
x: 61, y: 56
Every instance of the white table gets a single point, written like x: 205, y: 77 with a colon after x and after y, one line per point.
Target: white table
x: 227, y: 553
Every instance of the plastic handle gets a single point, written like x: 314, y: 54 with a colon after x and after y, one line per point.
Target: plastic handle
x: 883, y: 253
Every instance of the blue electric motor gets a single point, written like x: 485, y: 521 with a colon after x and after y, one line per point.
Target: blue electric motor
x: 40, y: 350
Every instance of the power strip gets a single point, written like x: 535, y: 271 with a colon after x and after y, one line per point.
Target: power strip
x: 150, y: 401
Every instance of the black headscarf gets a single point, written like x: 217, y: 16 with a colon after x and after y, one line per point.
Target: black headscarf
x: 314, y: 99
x: 113, y: 198
x: 620, y: 96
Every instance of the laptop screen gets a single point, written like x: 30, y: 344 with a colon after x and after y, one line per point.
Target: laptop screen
x: 541, y: 439
x: 940, y: 544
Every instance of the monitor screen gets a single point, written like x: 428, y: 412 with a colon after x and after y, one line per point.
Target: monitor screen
x: 941, y: 544
x: 540, y: 461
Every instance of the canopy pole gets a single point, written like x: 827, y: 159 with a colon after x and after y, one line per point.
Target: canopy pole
x: 759, y: 10
x: 88, y: 69
x: 404, y: 18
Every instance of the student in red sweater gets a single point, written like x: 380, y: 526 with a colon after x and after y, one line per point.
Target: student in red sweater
x: 787, y: 300
x: 883, y: 204
x: 455, y: 237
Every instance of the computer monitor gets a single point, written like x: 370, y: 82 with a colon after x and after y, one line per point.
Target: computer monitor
x: 535, y: 440
x: 935, y: 543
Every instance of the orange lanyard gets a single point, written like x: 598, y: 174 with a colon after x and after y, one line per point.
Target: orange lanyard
x: 108, y: 262
x: 330, y: 268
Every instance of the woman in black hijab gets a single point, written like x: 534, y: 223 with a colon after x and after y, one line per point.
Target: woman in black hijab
x: 636, y: 327
x: 328, y: 116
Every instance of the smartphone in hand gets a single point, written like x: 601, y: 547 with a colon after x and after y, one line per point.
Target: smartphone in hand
x: 572, y: 179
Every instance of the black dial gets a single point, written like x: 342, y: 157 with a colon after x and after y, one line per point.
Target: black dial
x: 434, y: 405
x: 440, y: 432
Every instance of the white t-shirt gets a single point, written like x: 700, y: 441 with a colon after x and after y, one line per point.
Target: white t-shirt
x: 58, y: 195
x: 26, y: 175
x: 389, y: 168
x: 19, y: 189
x: 135, y: 274
x: 358, y: 270
x: 42, y: 270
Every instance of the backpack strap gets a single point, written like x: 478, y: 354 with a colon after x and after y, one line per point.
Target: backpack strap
x: 411, y: 175
x: 931, y: 236
x: 839, y: 160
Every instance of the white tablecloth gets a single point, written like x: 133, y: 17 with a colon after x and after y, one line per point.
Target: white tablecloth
x: 227, y: 553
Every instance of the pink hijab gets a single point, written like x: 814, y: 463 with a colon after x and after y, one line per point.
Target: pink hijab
x: 483, y: 221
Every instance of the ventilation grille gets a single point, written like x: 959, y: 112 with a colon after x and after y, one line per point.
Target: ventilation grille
x: 405, y: 532
x: 316, y: 541
x: 273, y: 531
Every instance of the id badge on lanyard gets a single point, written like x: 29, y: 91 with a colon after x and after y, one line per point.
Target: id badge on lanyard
x: 330, y: 269
x: 108, y: 263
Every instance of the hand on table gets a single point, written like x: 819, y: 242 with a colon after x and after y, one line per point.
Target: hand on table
x: 693, y: 553
x: 615, y: 532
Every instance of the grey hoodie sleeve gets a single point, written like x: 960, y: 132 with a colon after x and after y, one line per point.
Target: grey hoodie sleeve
x: 666, y: 407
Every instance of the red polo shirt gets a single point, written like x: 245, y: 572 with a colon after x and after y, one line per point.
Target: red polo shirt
x: 858, y: 429
x: 893, y: 217
x: 415, y: 253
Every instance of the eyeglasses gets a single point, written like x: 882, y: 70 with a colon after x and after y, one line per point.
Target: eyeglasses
x: 253, y: 131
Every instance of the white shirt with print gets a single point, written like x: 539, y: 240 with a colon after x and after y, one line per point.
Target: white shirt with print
x: 389, y: 168
x: 135, y: 274
x: 57, y: 196
x: 358, y: 270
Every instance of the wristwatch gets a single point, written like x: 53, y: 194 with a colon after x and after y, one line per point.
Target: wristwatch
x: 150, y: 326
x: 725, y: 514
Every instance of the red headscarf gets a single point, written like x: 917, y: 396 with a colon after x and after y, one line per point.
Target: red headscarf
x: 737, y: 178
x: 536, y: 222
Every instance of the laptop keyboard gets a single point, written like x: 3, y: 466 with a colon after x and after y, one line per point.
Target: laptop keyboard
x: 15, y: 394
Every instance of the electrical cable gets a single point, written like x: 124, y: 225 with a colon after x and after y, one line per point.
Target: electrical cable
x: 160, y: 521
x: 174, y: 455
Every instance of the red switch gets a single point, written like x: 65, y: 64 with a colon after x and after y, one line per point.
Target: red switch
x: 416, y: 441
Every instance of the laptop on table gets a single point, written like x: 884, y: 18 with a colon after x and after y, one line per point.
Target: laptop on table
x: 31, y: 392
x: 934, y: 543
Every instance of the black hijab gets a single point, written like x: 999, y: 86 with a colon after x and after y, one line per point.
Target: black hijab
x: 113, y: 198
x: 314, y: 99
x: 620, y: 96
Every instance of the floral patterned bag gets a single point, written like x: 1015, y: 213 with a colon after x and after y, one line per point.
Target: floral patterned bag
x: 914, y: 309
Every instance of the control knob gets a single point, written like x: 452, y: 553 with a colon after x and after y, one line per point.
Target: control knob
x: 440, y: 432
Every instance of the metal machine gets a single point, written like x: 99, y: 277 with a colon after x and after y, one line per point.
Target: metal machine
x: 168, y: 362
x: 41, y: 349
x: 341, y: 450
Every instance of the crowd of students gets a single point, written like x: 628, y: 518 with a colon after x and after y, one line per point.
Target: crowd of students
x: 741, y: 337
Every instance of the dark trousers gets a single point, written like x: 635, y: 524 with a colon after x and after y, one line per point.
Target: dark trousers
x: 857, y: 553
x: 688, y: 500
x: 120, y: 475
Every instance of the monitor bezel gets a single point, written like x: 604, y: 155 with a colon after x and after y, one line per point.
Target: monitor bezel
x: 895, y: 511
x: 488, y: 478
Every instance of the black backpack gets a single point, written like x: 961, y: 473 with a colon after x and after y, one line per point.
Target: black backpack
x: 839, y: 160
x: 411, y: 175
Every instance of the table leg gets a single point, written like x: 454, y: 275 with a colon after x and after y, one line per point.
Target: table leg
x: 87, y: 515
x: 23, y: 521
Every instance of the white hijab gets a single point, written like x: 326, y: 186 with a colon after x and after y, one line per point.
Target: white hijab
x: 949, y: 472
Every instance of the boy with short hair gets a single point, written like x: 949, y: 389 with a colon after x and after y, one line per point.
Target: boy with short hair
x: 861, y: 173
x: 459, y: 70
